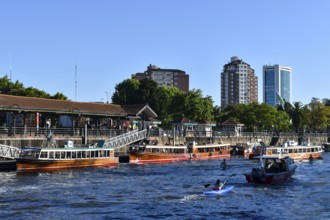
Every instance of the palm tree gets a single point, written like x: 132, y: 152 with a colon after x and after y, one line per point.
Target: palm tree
x: 296, y: 115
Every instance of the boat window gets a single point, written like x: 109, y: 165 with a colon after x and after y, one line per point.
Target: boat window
x: 96, y: 153
x: 51, y: 155
x: 57, y: 155
x: 68, y: 155
x: 108, y: 153
x: 62, y: 155
x: 92, y: 154
x: 88, y: 154
x: 74, y: 154
x: 299, y: 150
x: 44, y: 154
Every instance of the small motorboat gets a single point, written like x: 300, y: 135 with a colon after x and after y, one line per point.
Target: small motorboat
x: 272, y: 170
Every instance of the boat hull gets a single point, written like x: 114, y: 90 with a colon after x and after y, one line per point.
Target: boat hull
x: 269, y: 178
x: 7, y: 165
x: 35, y: 165
x: 145, y: 158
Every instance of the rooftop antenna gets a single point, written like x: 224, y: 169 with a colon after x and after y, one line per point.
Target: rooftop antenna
x: 75, y: 93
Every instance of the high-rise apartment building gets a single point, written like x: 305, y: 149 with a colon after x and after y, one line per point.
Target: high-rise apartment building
x: 165, y: 77
x: 276, y: 84
x: 239, y: 84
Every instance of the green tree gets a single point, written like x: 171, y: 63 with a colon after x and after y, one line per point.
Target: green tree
x: 147, y: 91
x: 18, y: 89
x: 296, y: 114
x: 282, y: 122
x: 319, y: 114
x: 127, y: 92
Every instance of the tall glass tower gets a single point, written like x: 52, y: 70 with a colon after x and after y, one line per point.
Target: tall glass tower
x: 277, y: 84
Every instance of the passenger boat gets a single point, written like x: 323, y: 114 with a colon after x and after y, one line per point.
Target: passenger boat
x: 45, y: 159
x: 209, y: 151
x: 272, y: 170
x: 142, y: 154
x: 7, y: 164
x: 297, y: 152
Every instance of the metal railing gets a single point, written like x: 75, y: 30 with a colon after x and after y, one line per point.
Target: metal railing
x: 125, y: 139
x: 9, y: 151
x: 94, y: 132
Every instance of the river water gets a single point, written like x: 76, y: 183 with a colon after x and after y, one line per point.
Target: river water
x: 165, y: 191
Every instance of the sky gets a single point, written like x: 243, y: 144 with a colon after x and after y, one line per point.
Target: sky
x: 41, y: 42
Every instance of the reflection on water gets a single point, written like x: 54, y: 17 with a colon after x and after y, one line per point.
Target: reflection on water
x: 165, y: 191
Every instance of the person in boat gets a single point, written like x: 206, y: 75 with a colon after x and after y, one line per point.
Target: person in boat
x: 223, y: 164
x: 218, y: 185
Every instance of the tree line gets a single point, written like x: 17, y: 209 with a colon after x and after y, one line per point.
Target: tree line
x: 17, y: 88
x: 172, y: 104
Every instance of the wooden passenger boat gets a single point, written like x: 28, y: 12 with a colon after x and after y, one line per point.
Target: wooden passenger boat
x: 7, y: 164
x: 272, y: 170
x: 297, y: 152
x: 43, y: 159
x: 142, y: 154
x: 209, y: 151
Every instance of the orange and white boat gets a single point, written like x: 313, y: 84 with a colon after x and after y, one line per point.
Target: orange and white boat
x: 35, y: 159
x: 143, y: 154
x: 297, y: 152
x: 209, y: 151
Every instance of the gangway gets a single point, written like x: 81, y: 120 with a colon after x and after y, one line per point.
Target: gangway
x: 126, y: 139
x: 9, y: 152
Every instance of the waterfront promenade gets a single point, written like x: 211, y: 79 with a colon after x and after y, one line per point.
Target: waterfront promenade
x: 22, y: 137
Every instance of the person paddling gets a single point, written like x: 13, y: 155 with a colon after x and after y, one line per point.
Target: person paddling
x: 223, y: 164
x: 218, y: 185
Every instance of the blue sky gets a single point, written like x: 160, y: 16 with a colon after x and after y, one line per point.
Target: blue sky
x: 42, y: 41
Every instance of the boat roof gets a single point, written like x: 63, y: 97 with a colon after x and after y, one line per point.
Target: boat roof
x: 166, y: 146
x: 31, y: 148
x: 210, y: 145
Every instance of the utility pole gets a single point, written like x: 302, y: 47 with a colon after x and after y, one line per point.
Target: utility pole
x: 75, y: 78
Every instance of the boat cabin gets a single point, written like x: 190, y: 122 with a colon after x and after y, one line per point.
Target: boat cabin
x: 273, y: 164
x: 162, y: 149
x: 65, y: 153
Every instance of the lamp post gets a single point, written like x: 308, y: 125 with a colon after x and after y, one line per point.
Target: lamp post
x: 107, y: 97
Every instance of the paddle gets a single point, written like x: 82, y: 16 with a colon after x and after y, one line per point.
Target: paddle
x: 207, y: 185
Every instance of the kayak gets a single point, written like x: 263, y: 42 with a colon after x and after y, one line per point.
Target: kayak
x: 219, y: 192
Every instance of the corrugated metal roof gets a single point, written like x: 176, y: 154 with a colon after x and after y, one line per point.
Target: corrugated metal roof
x: 31, y: 104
